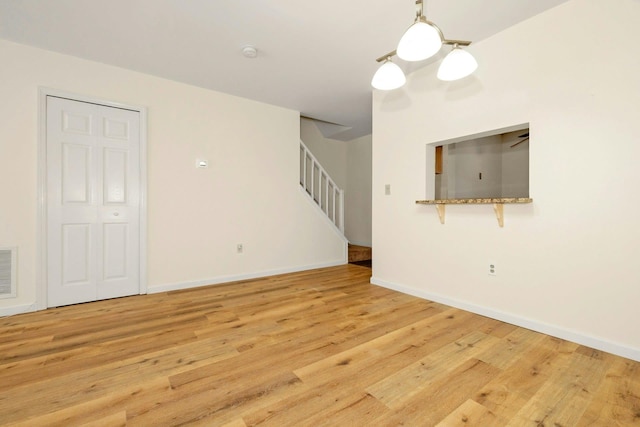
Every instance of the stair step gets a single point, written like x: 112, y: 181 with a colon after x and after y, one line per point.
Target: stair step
x: 359, y: 253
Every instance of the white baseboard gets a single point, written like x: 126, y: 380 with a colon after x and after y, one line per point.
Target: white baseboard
x: 534, y: 325
x: 17, y: 309
x: 234, y: 278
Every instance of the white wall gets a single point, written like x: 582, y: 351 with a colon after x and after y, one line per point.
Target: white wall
x: 358, y: 196
x: 331, y: 153
x: 349, y: 165
x: 249, y: 194
x: 567, y: 264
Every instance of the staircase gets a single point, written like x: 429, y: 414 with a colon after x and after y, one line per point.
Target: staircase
x: 327, y: 197
x: 321, y: 188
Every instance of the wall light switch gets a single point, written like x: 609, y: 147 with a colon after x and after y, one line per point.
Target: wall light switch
x: 202, y: 163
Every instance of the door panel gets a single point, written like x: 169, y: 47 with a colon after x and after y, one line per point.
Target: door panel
x: 76, y: 122
x: 116, y: 129
x: 115, y: 251
x: 93, y: 202
x: 76, y: 248
x: 115, y: 176
x: 76, y: 173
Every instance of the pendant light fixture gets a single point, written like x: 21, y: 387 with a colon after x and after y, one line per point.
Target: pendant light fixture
x: 421, y: 41
x: 457, y: 65
x: 389, y: 76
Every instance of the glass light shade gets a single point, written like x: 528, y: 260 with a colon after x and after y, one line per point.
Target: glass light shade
x: 421, y: 41
x: 388, y: 77
x: 456, y: 65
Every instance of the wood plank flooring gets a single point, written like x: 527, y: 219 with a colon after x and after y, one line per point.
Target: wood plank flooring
x: 316, y: 348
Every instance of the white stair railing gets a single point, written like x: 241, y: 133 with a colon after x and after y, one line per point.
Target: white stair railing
x: 321, y: 188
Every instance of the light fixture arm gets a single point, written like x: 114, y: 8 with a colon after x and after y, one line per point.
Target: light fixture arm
x: 387, y: 56
x: 456, y: 42
x: 444, y: 41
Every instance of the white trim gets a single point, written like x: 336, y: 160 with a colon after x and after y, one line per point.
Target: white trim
x: 234, y: 278
x: 41, y: 252
x: 490, y: 132
x: 17, y: 309
x: 534, y: 325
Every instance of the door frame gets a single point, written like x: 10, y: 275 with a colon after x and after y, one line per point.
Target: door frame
x: 41, y: 233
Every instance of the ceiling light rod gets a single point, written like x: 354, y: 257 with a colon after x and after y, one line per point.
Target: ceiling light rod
x: 419, y: 9
x: 420, y: 17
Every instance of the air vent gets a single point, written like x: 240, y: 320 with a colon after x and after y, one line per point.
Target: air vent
x: 8, y: 272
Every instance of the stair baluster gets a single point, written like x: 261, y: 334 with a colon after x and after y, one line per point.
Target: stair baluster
x: 326, y: 194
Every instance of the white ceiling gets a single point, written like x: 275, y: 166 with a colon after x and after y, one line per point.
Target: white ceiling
x: 316, y: 57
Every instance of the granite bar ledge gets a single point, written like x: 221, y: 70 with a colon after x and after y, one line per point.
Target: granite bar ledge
x: 498, y: 205
x: 506, y: 200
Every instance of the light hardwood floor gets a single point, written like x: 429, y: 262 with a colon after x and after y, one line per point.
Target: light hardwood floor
x: 317, y: 348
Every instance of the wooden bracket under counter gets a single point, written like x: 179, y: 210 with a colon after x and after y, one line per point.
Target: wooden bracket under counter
x: 498, y: 205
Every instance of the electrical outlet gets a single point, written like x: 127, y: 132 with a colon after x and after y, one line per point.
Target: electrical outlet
x: 387, y: 189
x: 492, y: 270
x: 239, y: 248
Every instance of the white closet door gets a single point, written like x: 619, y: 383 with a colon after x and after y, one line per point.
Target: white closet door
x: 93, y: 202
